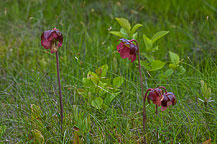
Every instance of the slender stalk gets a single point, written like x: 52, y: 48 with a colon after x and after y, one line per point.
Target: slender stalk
x: 142, y: 92
x: 60, y: 92
x: 156, y: 112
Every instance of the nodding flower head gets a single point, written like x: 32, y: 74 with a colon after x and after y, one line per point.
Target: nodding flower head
x: 156, y: 95
x: 168, y: 99
x: 160, y: 97
x: 52, y: 39
x: 127, y: 49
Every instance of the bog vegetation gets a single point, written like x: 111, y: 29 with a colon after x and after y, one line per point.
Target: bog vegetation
x: 99, y: 71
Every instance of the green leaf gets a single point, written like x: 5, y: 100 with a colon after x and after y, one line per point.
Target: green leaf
x: 87, y: 82
x: 148, y: 43
x: 166, y: 74
x: 149, y: 57
x: 124, y: 33
x: 156, y: 65
x: 117, y: 33
x: 159, y: 35
x: 94, y: 78
x: 135, y: 35
x: 169, y: 72
x: 84, y: 93
x: 118, y: 81
x: 38, y: 137
x: 105, y: 106
x: 102, y: 71
x: 162, y: 76
x: 154, y: 48
x: 124, y: 24
x: 109, y: 99
x: 102, y: 88
x: 135, y: 27
x: 172, y: 66
x: 174, y: 58
x: 36, y: 112
x: 146, y: 65
x: 115, y: 64
x: 181, y: 70
x: 97, y: 103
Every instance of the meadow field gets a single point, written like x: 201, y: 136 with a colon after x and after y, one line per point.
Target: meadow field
x: 29, y: 100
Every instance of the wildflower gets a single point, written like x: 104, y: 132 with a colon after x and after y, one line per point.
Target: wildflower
x: 52, y: 39
x: 168, y: 99
x: 160, y: 98
x: 127, y: 49
x: 156, y: 95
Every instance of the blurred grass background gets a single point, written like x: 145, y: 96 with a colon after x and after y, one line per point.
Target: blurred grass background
x: 28, y: 71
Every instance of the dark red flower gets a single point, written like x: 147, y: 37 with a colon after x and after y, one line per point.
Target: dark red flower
x: 160, y: 97
x: 168, y: 99
x: 127, y: 49
x: 52, y: 39
x: 156, y: 95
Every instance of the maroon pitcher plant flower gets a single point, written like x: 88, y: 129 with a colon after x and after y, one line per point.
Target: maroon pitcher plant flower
x: 52, y: 39
x: 130, y: 49
x: 156, y: 95
x: 168, y: 99
x: 127, y: 49
x: 160, y: 98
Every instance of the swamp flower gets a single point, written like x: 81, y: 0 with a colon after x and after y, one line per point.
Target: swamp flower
x: 160, y: 98
x: 168, y: 99
x: 127, y: 49
x: 156, y: 95
x: 52, y: 39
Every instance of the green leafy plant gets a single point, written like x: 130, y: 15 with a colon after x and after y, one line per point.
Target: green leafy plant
x: 150, y: 64
x: 205, y: 96
x: 175, y: 67
x: 37, y: 124
x: 53, y: 39
x: 130, y: 49
x: 126, y: 31
x: 99, y: 90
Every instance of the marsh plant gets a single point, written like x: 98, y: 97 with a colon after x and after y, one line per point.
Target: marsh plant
x: 129, y: 48
x: 53, y: 39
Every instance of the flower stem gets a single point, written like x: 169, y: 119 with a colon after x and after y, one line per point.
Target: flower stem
x: 142, y: 92
x: 156, y: 112
x: 60, y: 92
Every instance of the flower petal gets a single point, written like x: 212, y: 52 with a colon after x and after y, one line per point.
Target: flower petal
x: 164, y: 101
x: 53, y: 35
x: 120, y: 46
x: 163, y: 108
x: 50, y: 38
x: 172, y: 98
x: 124, y: 52
x: 124, y: 40
x: 44, y: 42
x: 133, y: 49
x: 132, y: 57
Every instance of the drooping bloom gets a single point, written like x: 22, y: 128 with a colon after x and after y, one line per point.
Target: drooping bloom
x: 127, y: 49
x: 156, y: 95
x: 52, y: 39
x: 160, y: 98
x: 168, y: 99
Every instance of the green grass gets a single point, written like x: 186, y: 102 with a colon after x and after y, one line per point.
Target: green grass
x: 28, y: 71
